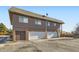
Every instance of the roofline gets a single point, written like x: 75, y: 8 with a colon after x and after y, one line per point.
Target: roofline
x: 9, y: 10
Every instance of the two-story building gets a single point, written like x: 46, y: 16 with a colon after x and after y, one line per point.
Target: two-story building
x: 28, y: 25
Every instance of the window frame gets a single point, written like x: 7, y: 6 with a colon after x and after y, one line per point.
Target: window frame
x: 23, y: 19
x: 38, y: 22
x: 48, y: 23
x: 55, y: 24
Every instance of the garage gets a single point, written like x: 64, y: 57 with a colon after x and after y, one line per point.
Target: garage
x: 36, y: 35
x: 51, y: 34
x: 41, y: 35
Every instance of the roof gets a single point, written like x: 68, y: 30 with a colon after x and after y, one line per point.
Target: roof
x: 24, y: 12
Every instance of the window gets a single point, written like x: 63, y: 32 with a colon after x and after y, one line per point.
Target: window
x: 54, y: 24
x: 23, y: 19
x: 38, y: 22
x: 49, y: 23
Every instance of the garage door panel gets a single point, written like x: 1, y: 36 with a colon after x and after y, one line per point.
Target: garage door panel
x: 51, y: 34
x: 41, y: 35
x: 36, y: 35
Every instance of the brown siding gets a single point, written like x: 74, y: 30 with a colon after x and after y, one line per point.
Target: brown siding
x: 31, y: 26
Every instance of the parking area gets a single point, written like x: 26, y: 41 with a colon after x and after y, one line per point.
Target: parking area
x: 46, y: 45
x: 19, y: 46
x: 71, y: 45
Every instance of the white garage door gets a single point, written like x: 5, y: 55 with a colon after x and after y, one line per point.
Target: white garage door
x: 41, y: 35
x: 51, y: 34
x: 36, y: 35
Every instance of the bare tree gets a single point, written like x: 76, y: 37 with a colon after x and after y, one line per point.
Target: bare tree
x: 76, y: 32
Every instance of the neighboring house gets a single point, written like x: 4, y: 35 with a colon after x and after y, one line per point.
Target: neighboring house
x: 28, y: 25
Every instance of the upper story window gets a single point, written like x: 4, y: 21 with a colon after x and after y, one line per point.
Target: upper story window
x: 55, y: 24
x: 23, y: 19
x: 49, y: 24
x: 38, y: 22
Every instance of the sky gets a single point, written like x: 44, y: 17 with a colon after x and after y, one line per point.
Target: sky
x: 68, y: 14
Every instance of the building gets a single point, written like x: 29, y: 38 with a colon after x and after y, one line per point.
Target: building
x: 28, y: 25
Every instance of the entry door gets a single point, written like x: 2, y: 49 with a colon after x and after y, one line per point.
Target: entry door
x: 20, y: 35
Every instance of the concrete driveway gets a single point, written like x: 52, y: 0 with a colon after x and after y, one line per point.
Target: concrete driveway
x: 19, y: 46
x: 41, y: 46
x: 57, y: 45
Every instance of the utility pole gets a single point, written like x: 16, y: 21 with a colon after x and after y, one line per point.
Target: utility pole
x: 46, y: 27
x: 61, y: 30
